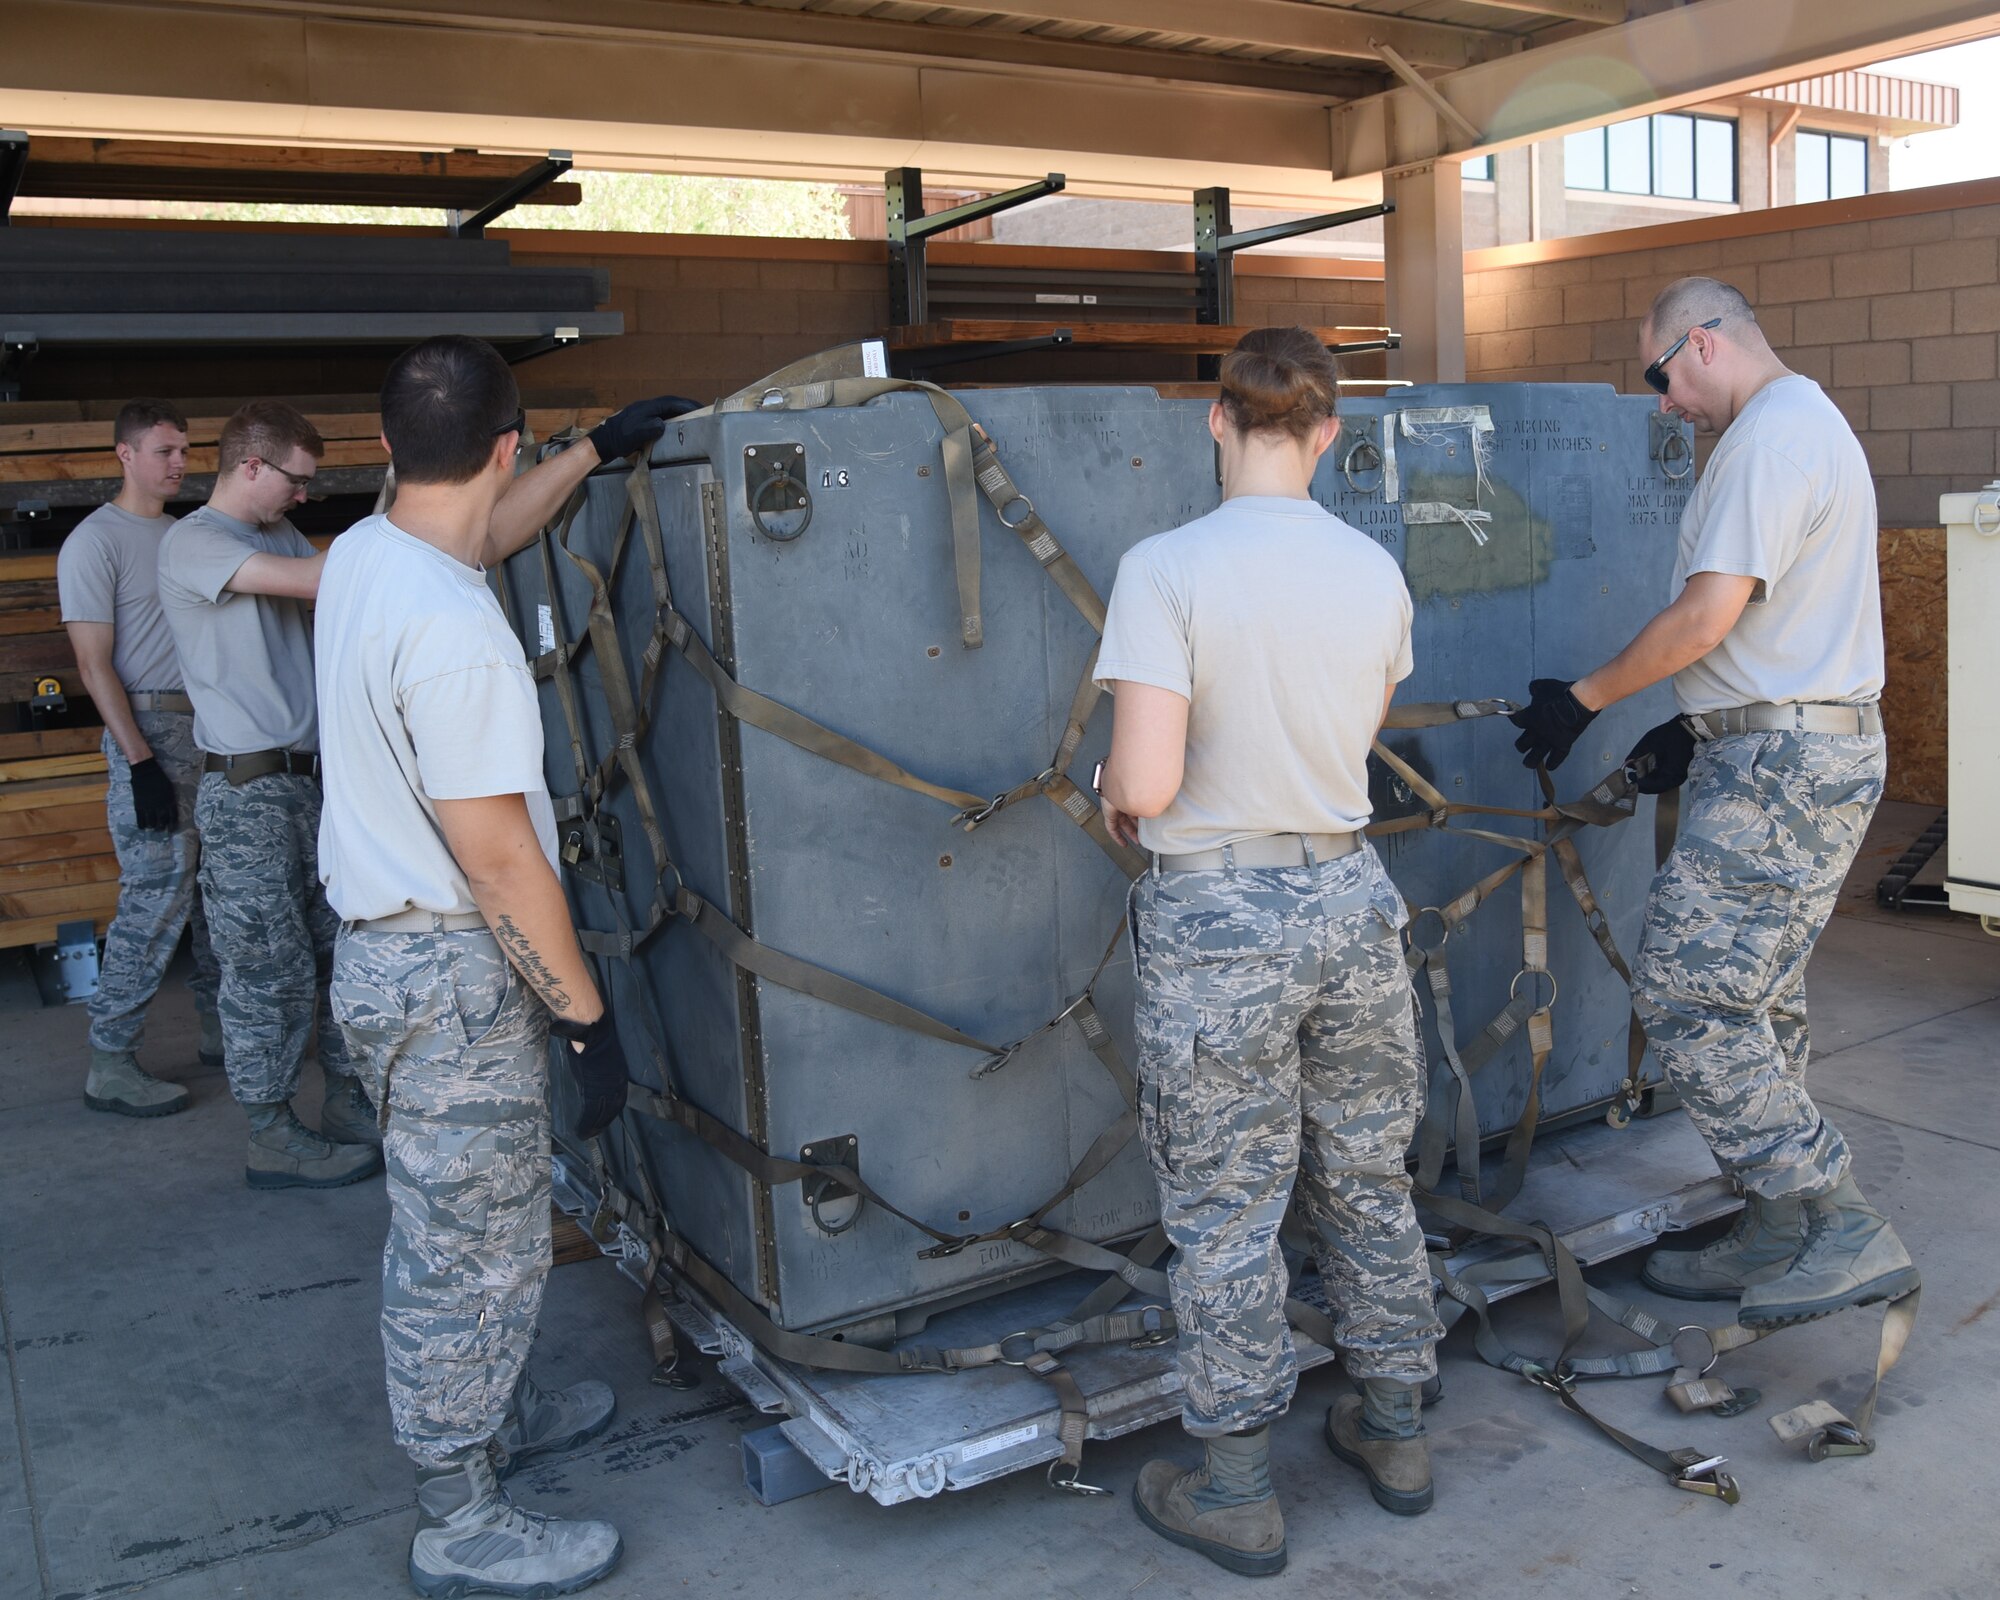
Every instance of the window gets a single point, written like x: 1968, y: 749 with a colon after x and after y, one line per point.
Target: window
x: 1677, y: 155
x: 1831, y: 166
x: 1480, y: 167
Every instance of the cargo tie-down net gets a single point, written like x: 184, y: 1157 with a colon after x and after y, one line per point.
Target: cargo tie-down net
x: 972, y: 468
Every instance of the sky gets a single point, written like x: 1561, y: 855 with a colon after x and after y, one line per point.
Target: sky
x: 1970, y: 150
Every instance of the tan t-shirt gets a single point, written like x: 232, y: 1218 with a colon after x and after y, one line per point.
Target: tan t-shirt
x: 1284, y: 627
x: 108, y: 571
x: 246, y: 658
x: 424, y: 695
x: 1787, y: 499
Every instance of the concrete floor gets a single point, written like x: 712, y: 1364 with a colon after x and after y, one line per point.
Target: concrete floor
x: 194, y: 1404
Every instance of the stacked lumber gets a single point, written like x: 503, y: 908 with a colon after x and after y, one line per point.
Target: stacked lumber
x: 72, y: 463
x: 56, y: 861
x: 33, y: 643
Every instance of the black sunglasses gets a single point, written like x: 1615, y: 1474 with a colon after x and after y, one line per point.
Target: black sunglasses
x: 519, y: 424
x: 1656, y: 377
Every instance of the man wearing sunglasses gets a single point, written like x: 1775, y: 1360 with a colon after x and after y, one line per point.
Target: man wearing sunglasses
x: 1774, y: 645
x: 236, y: 579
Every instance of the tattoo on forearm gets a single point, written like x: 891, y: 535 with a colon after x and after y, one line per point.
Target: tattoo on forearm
x: 529, y: 963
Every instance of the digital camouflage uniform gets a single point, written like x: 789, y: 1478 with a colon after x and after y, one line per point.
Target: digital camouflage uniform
x: 1770, y: 825
x: 454, y: 1047
x: 272, y: 930
x: 1273, y: 998
x: 156, y: 890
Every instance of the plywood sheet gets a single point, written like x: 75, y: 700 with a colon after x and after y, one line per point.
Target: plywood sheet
x: 1913, y: 632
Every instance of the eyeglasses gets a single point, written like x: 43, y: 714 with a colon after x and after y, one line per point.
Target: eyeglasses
x: 519, y: 424
x: 1655, y: 375
x: 296, y: 480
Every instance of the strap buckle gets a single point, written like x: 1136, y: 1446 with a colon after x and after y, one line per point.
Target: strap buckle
x: 972, y: 816
x: 1065, y: 1475
x: 1159, y: 1330
x: 1554, y: 1379
x: 948, y: 1247
x: 1838, y: 1439
x: 1704, y: 1475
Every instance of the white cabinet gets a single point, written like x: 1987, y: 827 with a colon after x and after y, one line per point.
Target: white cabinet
x: 1972, y: 575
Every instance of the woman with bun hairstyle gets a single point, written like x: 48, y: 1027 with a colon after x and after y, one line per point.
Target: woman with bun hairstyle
x: 1253, y: 653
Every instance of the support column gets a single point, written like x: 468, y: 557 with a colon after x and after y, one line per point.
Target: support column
x: 1551, y: 191
x: 1423, y: 247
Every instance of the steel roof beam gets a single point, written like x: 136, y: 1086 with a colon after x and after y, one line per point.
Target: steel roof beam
x: 1710, y: 50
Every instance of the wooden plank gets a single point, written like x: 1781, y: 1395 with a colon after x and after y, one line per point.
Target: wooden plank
x: 72, y: 765
x: 64, y: 466
x: 1189, y: 337
x: 47, y: 792
x: 17, y: 569
x: 25, y: 437
x: 49, y: 742
x: 57, y: 872
x: 42, y: 930
x: 44, y: 619
x: 31, y: 653
x: 71, y: 900
x: 83, y: 842
x: 117, y: 153
x: 1915, y: 692
x: 85, y: 817
x: 572, y: 1244
x: 29, y: 594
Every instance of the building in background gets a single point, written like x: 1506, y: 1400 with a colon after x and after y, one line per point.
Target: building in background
x: 1822, y: 138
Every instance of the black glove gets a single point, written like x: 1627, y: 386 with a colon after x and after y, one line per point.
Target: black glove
x: 598, y: 1070
x: 153, y: 797
x: 1659, y: 761
x: 1551, y: 721
x: 637, y: 426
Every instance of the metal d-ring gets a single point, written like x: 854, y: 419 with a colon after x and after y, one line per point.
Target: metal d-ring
x: 1015, y: 499
x: 781, y: 480
x: 1349, y: 467
x: 1417, y: 916
x: 1714, y: 1355
x: 1007, y: 1339
x: 1539, y: 972
x: 1071, y: 1483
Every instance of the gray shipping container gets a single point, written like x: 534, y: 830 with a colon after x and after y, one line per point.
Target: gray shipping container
x: 1536, y: 526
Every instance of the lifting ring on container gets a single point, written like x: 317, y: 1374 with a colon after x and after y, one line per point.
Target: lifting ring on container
x: 1536, y: 972
x: 927, y: 1478
x: 1417, y: 916
x: 1349, y: 467
x: 781, y: 480
x: 1708, y: 1334
x: 1675, y: 448
x: 1982, y: 508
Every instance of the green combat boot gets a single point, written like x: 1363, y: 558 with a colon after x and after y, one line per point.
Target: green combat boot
x: 1225, y: 1509
x: 348, y: 1115
x: 286, y: 1154
x: 1760, y: 1246
x: 116, y: 1082
x: 209, y: 1051
x: 1851, y: 1257
x: 472, y: 1539
x: 541, y: 1421
x: 1380, y: 1430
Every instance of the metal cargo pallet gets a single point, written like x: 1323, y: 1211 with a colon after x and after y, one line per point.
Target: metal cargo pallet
x: 1604, y: 1192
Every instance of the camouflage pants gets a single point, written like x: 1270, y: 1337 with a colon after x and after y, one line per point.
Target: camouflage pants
x: 272, y: 928
x: 454, y: 1047
x: 1770, y: 825
x: 156, y: 890
x: 1277, y: 1044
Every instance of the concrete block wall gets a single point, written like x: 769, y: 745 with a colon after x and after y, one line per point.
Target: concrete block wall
x: 1891, y: 302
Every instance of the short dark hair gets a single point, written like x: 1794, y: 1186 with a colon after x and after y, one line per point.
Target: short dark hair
x: 266, y: 429
x: 443, y: 404
x: 136, y: 416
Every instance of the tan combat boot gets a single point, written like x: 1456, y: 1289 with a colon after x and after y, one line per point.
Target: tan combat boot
x: 348, y: 1115
x: 286, y: 1154
x: 472, y: 1539
x: 116, y: 1082
x: 1851, y: 1257
x: 1225, y: 1509
x: 1381, y: 1432
x: 1758, y: 1248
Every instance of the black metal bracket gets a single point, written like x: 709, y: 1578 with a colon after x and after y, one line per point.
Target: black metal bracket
x: 16, y: 351
x: 472, y: 224
x: 912, y: 362
x: 833, y: 1205
x: 1215, y: 247
x: 13, y: 162
x: 909, y: 229
x: 1899, y: 890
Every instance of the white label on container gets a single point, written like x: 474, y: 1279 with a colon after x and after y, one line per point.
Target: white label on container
x: 874, y: 359
x: 999, y: 1442
x: 545, y: 627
